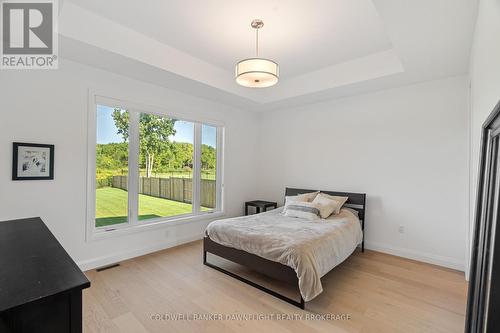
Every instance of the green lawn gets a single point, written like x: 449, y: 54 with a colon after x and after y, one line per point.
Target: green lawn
x: 111, y: 207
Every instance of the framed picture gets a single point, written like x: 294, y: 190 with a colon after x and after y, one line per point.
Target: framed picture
x: 32, y: 161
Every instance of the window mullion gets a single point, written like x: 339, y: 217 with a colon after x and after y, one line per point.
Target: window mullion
x: 133, y: 168
x: 91, y: 182
x: 196, y: 168
x: 219, y: 178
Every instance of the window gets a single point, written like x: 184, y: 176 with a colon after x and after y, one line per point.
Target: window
x: 166, y: 167
x: 151, y: 168
x: 112, y: 149
x: 208, y: 167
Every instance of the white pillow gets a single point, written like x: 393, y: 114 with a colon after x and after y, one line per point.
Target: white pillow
x: 340, y: 200
x: 294, y: 198
x: 306, y: 197
x: 326, y: 205
x: 305, y: 210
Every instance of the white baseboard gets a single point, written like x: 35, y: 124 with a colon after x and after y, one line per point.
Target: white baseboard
x: 89, y: 264
x: 417, y: 255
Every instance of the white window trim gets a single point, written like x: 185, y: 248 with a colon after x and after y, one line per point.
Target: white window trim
x: 134, y: 225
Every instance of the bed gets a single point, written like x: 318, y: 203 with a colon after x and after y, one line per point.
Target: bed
x: 289, y: 249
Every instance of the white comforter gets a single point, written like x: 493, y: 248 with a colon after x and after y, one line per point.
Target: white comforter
x: 312, y: 249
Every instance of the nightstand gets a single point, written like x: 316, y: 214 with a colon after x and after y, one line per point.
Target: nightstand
x: 260, y: 205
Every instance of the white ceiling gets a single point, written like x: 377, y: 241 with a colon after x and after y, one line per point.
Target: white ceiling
x: 324, y: 47
x: 301, y: 35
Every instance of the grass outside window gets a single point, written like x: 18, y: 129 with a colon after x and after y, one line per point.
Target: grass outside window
x: 111, y: 207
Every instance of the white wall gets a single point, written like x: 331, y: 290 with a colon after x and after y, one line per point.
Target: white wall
x: 485, y: 81
x: 406, y: 148
x: 51, y: 107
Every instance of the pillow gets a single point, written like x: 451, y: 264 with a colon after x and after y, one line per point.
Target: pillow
x: 306, y: 197
x: 305, y: 210
x: 309, y: 196
x: 341, y: 200
x: 326, y: 205
x: 294, y: 198
x: 354, y: 211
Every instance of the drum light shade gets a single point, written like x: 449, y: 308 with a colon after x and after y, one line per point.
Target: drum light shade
x: 257, y: 73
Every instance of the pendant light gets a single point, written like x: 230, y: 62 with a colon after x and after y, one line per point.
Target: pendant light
x: 257, y: 72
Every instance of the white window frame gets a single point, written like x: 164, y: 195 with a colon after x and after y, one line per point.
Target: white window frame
x: 133, y: 224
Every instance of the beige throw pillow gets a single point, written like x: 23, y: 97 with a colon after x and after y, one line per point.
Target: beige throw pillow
x: 340, y: 200
x: 309, y: 197
x: 326, y: 206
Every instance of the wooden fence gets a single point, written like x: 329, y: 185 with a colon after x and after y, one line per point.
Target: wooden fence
x: 177, y: 189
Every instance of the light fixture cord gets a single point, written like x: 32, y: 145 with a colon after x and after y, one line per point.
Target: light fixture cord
x: 257, y: 42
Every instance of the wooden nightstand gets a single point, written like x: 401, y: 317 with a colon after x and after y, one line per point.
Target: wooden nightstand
x: 260, y: 205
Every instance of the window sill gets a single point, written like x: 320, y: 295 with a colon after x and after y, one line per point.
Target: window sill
x: 99, y: 234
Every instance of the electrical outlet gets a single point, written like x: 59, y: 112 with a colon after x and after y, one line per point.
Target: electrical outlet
x: 401, y: 229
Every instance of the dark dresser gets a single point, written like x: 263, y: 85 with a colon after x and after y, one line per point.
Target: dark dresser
x: 40, y: 285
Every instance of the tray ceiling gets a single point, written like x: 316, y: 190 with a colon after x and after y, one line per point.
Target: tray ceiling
x: 321, y: 45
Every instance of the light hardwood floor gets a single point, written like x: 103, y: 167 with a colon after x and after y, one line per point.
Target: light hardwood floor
x: 380, y: 293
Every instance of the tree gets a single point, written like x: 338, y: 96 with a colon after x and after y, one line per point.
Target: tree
x: 183, y: 155
x: 154, y: 132
x: 112, y: 156
x: 208, y: 157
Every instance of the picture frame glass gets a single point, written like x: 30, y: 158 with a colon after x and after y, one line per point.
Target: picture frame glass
x: 33, y: 161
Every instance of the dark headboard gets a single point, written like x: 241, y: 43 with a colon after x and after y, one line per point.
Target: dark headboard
x: 356, y: 201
